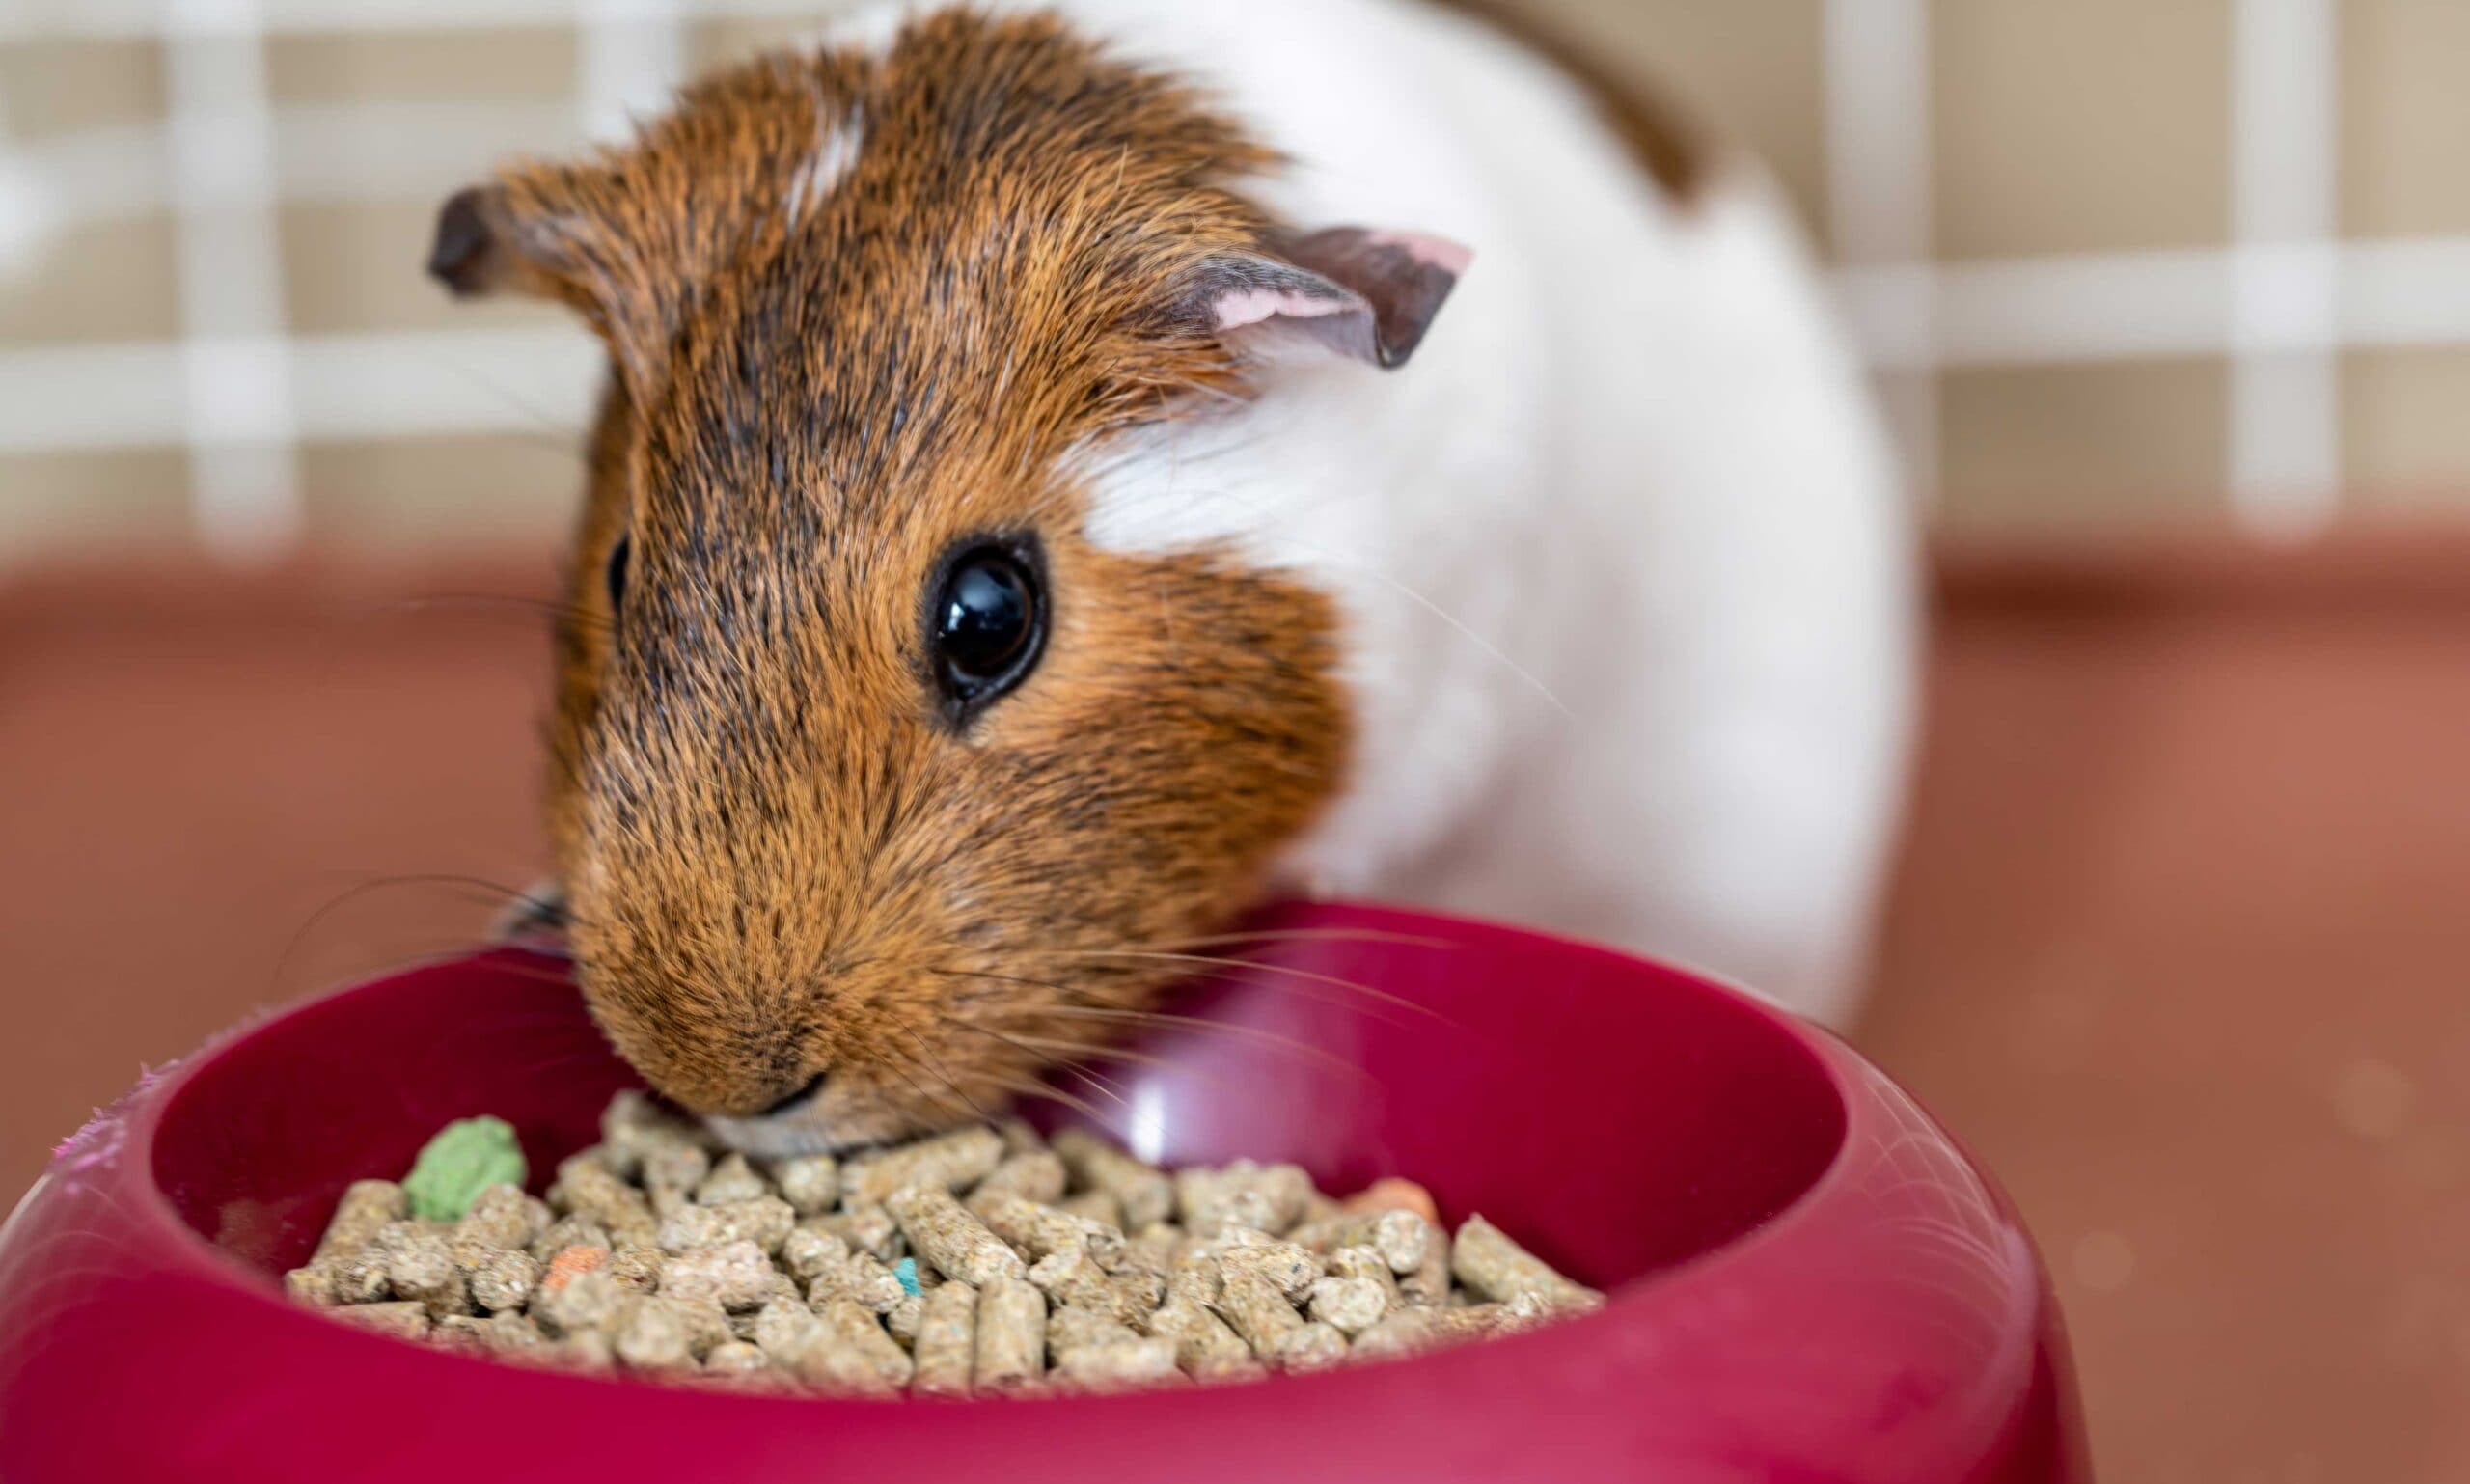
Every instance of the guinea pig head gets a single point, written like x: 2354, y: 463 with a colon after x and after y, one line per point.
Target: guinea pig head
x: 877, y: 786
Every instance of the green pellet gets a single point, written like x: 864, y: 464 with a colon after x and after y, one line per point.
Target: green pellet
x: 467, y: 1157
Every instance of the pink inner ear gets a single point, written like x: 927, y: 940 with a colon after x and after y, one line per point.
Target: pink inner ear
x: 1253, y: 306
x: 1449, y: 257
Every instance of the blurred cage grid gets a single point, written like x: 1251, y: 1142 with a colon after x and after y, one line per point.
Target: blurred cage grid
x: 2118, y: 263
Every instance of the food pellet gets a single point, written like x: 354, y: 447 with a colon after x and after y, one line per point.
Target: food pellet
x: 1363, y: 1262
x: 809, y: 1182
x: 1011, y: 1336
x: 1154, y: 1247
x: 866, y: 1226
x: 1037, y: 1231
x: 636, y: 1266
x: 1268, y: 1198
x: 1118, y: 1367
x: 1289, y: 1268
x: 633, y: 1127
x: 569, y: 1231
x: 784, y: 1328
x: 367, y: 1206
x: 1487, y: 1261
x: 945, y: 1351
x: 1391, y: 1194
x: 652, y: 1337
x: 313, y: 1287
x: 732, y: 1180
x: 1205, y: 1348
x: 862, y: 1277
x: 587, y: 1304
x: 1428, y: 1285
x: 1402, y: 1237
x: 1070, y: 1327
x: 983, y: 1261
x: 734, y: 1275
x: 1073, y: 1276
x: 903, y: 1318
x: 420, y: 1266
x: 765, y: 1221
x: 673, y: 1169
x: 587, y: 1188
x: 1253, y: 1306
x: 498, y: 1334
x: 401, y: 1317
x: 944, y: 1234
x: 952, y: 1162
x: 858, y: 1331
x: 737, y: 1358
x: 1412, y: 1330
x: 355, y: 1278
x: 503, y: 1278
x: 1316, y: 1346
x: 503, y: 1215
x: 1142, y: 1192
x: 1034, y: 1174
x: 568, y: 1263
x: 465, y: 1158
x: 1100, y: 1207
x: 1349, y: 1305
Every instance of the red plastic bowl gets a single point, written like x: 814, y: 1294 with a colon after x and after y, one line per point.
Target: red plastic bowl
x: 1810, y: 1279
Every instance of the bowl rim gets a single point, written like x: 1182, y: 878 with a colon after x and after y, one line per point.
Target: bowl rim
x: 1851, y: 1080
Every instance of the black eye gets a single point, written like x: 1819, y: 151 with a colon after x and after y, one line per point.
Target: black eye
x: 987, y: 623
x: 617, y: 573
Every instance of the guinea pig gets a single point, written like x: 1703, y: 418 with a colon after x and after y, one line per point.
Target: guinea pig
x: 1068, y: 474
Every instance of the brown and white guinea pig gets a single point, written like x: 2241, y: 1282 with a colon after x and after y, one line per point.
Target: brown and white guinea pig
x: 1068, y: 474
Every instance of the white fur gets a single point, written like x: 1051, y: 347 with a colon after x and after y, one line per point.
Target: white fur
x: 1625, y: 567
x: 836, y: 154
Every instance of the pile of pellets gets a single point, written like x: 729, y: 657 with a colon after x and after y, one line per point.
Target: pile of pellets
x: 982, y: 1262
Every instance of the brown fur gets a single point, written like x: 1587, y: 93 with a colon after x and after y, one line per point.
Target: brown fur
x: 779, y: 858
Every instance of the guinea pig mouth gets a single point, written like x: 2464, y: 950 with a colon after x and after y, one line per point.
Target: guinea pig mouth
x: 814, y: 1085
x: 810, y: 1122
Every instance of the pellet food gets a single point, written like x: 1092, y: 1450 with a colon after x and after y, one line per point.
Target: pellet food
x: 973, y: 1262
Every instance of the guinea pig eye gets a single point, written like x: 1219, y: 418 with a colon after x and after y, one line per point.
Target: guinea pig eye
x: 619, y: 555
x: 987, y: 623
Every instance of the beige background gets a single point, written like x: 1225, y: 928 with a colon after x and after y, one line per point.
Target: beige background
x: 2176, y: 941
x: 2101, y: 127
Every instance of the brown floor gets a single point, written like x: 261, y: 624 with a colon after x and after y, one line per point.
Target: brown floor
x: 2176, y: 945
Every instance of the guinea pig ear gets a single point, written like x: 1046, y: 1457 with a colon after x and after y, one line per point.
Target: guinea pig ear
x: 1366, y: 295
x: 478, y: 250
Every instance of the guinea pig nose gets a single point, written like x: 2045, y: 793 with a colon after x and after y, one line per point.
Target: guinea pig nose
x: 813, y: 1084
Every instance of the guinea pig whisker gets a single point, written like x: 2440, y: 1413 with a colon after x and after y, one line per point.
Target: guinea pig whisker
x: 1075, y: 1052
x: 924, y: 1096
x: 1309, y: 935
x: 1156, y: 1019
x: 1073, y: 1049
x: 1054, y: 985
x: 292, y: 946
x: 1112, y: 1090
x: 1032, y: 1044
x: 1208, y: 960
x: 947, y: 1078
x: 1165, y: 1020
x: 1027, y: 1088
x: 548, y: 432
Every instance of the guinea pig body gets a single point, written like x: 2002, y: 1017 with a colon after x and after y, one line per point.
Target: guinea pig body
x: 1625, y: 567
x: 1063, y: 479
